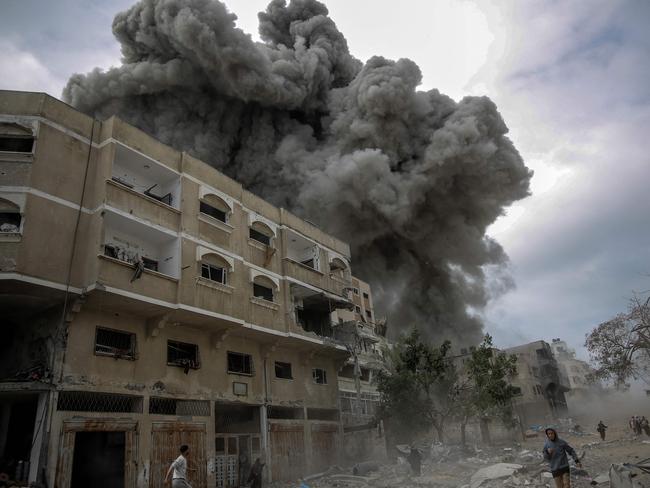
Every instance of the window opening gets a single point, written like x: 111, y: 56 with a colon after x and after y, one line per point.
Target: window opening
x: 264, y: 292
x: 319, y: 375
x: 151, y: 264
x: 114, y: 343
x: 213, y: 273
x: 10, y: 221
x: 283, y: 370
x: 183, y: 355
x: 259, y: 237
x: 16, y: 144
x: 213, y: 212
x: 240, y: 363
x: 166, y: 198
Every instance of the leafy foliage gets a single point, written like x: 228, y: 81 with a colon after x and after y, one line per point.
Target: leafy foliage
x: 417, y: 391
x: 620, y: 347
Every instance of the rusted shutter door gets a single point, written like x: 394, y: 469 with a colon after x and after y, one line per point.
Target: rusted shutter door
x: 287, y: 452
x: 324, y: 448
x: 166, y: 438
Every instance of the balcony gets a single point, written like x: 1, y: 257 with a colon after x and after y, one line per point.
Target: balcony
x: 147, y: 208
x: 139, y: 258
x: 146, y: 177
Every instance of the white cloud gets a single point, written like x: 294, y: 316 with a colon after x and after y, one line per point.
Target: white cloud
x: 21, y: 70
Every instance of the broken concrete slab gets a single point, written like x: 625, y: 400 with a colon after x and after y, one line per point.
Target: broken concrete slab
x: 496, y: 471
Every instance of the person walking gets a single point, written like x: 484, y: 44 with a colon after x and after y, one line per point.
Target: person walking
x: 555, y: 452
x: 255, y: 477
x: 415, y: 460
x: 601, y: 428
x: 645, y: 425
x: 178, y: 469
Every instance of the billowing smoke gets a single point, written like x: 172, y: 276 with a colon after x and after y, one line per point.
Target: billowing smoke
x: 410, y: 178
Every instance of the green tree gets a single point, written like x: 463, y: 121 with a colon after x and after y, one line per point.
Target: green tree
x: 620, y: 347
x: 417, y: 389
x: 483, y: 388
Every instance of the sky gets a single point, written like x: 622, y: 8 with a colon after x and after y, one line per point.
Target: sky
x: 571, y: 79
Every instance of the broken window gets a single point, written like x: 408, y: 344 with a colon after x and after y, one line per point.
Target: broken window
x: 16, y: 143
x: 213, y: 212
x: 347, y: 371
x: 357, y: 309
x: 365, y: 295
x: 516, y: 391
x: 10, y: 217
x: 264, y: 292
x: 175, y: 406
x: 149, y: 263
x: 240, y: 363
x: 338, y: 268
x: 283, y: 370
x: 115, y: 343
x: 183, y: 355
x: 369, y: 314
x: 213, y: 273
x: 319, y: 375
x: 258, y: 236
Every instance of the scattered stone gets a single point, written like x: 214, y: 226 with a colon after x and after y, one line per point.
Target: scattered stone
x: 496, y: 471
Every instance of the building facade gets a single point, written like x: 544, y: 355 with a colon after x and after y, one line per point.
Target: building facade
x: 150, y: 301
x: 541, y: 397
x: 576, y: 374
x: 365, y: 337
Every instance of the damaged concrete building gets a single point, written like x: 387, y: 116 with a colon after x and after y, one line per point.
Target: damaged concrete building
x: 577, y: 375
x: 541, y: 387
x: 365, y: 337
x: 150, y: 301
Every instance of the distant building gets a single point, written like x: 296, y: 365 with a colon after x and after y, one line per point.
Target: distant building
x: 542, y: 387
x: 576, y: 374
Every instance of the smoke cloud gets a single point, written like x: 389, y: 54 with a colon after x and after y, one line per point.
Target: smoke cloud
x: 411, y: 179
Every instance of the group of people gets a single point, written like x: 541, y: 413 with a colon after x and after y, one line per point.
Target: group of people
x: 639, y: 425
x: 178, y: 469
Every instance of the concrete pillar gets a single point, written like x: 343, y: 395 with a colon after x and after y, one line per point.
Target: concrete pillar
x: 264, y: 440
x: 5, y: 413
x: 40, y: 424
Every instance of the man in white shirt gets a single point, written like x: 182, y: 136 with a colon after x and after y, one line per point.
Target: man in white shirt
x: 178, y: 470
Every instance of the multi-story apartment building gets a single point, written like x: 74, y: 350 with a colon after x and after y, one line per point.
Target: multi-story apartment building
x: 577, y: 375
x: 365, y: 337
x: 541, y: 385
x: 150, y: 301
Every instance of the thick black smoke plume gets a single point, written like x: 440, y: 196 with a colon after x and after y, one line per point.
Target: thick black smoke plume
x: 411, y: 179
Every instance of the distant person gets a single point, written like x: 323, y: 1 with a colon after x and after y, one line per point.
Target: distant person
x: 244, y: 467
x: 255, y: 477
x: 178, y: 469
x: 415, y: 460
x: 555, y: 452
x: 601, y: 428
x: 645, y: 425
x: 637, y: 425
x: 632, y: 424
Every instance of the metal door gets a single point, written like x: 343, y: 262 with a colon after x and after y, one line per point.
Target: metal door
x: 324, y: 448
x: 287, y: 451
x: 166, y: 438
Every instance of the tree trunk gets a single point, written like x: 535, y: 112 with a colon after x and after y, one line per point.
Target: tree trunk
x: 485, y: 432
x: 440, y: 431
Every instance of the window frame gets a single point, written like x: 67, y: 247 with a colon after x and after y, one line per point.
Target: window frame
x: 283, y: 365
x: 212, y: 209
x: 210, y: 267
x: 131, y: 355
x: 192, y: 364
x: 259, y: 236
x: 314, y: 374
x: 258, y: 285
x: 244, y: 356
